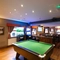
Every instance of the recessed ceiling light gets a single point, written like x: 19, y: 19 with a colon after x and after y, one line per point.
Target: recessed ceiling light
x: 14, y: 9
x: 21, y: 5
x: 25, y: 13
x: 10, y: 12
x: 32, y: 11
x: 50, y: 11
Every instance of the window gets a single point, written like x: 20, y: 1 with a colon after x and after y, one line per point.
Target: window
x: 17, y: 31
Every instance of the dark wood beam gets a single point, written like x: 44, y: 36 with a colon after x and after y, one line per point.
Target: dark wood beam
x: 46, y: 21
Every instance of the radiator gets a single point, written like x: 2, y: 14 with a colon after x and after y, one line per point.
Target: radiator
x: 11, y: 40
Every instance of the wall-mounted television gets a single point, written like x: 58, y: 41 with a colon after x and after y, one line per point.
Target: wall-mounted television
x: 40, y: 28
x: 17, y: 31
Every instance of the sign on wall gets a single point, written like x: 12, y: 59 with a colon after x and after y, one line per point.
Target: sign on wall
x: 1, y: 30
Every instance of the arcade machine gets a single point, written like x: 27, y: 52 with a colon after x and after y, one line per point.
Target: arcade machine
x: 56, y: 36
x: 21, y: 34
x: 34, y: 32
x: 58, y: 31
x: 40, y: 32
x: 18, y: 32
x: 40, y: 29
x: 28, y: 32
x: 52, y: 31
x: 46, y: 31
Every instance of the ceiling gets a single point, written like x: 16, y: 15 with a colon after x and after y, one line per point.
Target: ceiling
x: 32, y: 10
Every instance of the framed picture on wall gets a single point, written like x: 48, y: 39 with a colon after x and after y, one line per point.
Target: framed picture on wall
x: 1, y: 30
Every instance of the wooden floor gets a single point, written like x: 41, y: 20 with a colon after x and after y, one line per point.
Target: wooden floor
x: 56, y: 54
x: 9, y: 54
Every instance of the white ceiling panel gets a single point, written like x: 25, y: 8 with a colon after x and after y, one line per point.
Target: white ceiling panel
x: 40, y: 7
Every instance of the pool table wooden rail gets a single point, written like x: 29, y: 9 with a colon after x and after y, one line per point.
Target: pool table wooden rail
x: 32, y: 55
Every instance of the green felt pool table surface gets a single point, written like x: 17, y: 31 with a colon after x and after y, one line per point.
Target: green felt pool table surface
x: 37, y: 47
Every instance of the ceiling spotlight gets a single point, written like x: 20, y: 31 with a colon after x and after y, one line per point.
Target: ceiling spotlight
x: 32, y: 11
x: 25, y: 13
x: 50, y: 11
x: 21, y: 5
x: 14, y: 9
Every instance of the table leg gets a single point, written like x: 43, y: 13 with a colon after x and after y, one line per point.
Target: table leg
x: 49, y: 59
x: 25, y: 58
x: 17, y: 56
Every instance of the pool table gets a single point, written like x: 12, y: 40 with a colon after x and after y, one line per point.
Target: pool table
x: 33, y: 50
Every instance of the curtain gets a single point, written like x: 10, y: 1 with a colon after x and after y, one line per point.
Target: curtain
x: 10, y: 29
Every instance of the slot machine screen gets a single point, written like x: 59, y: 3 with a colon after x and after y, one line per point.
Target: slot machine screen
x: 28, y: 31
